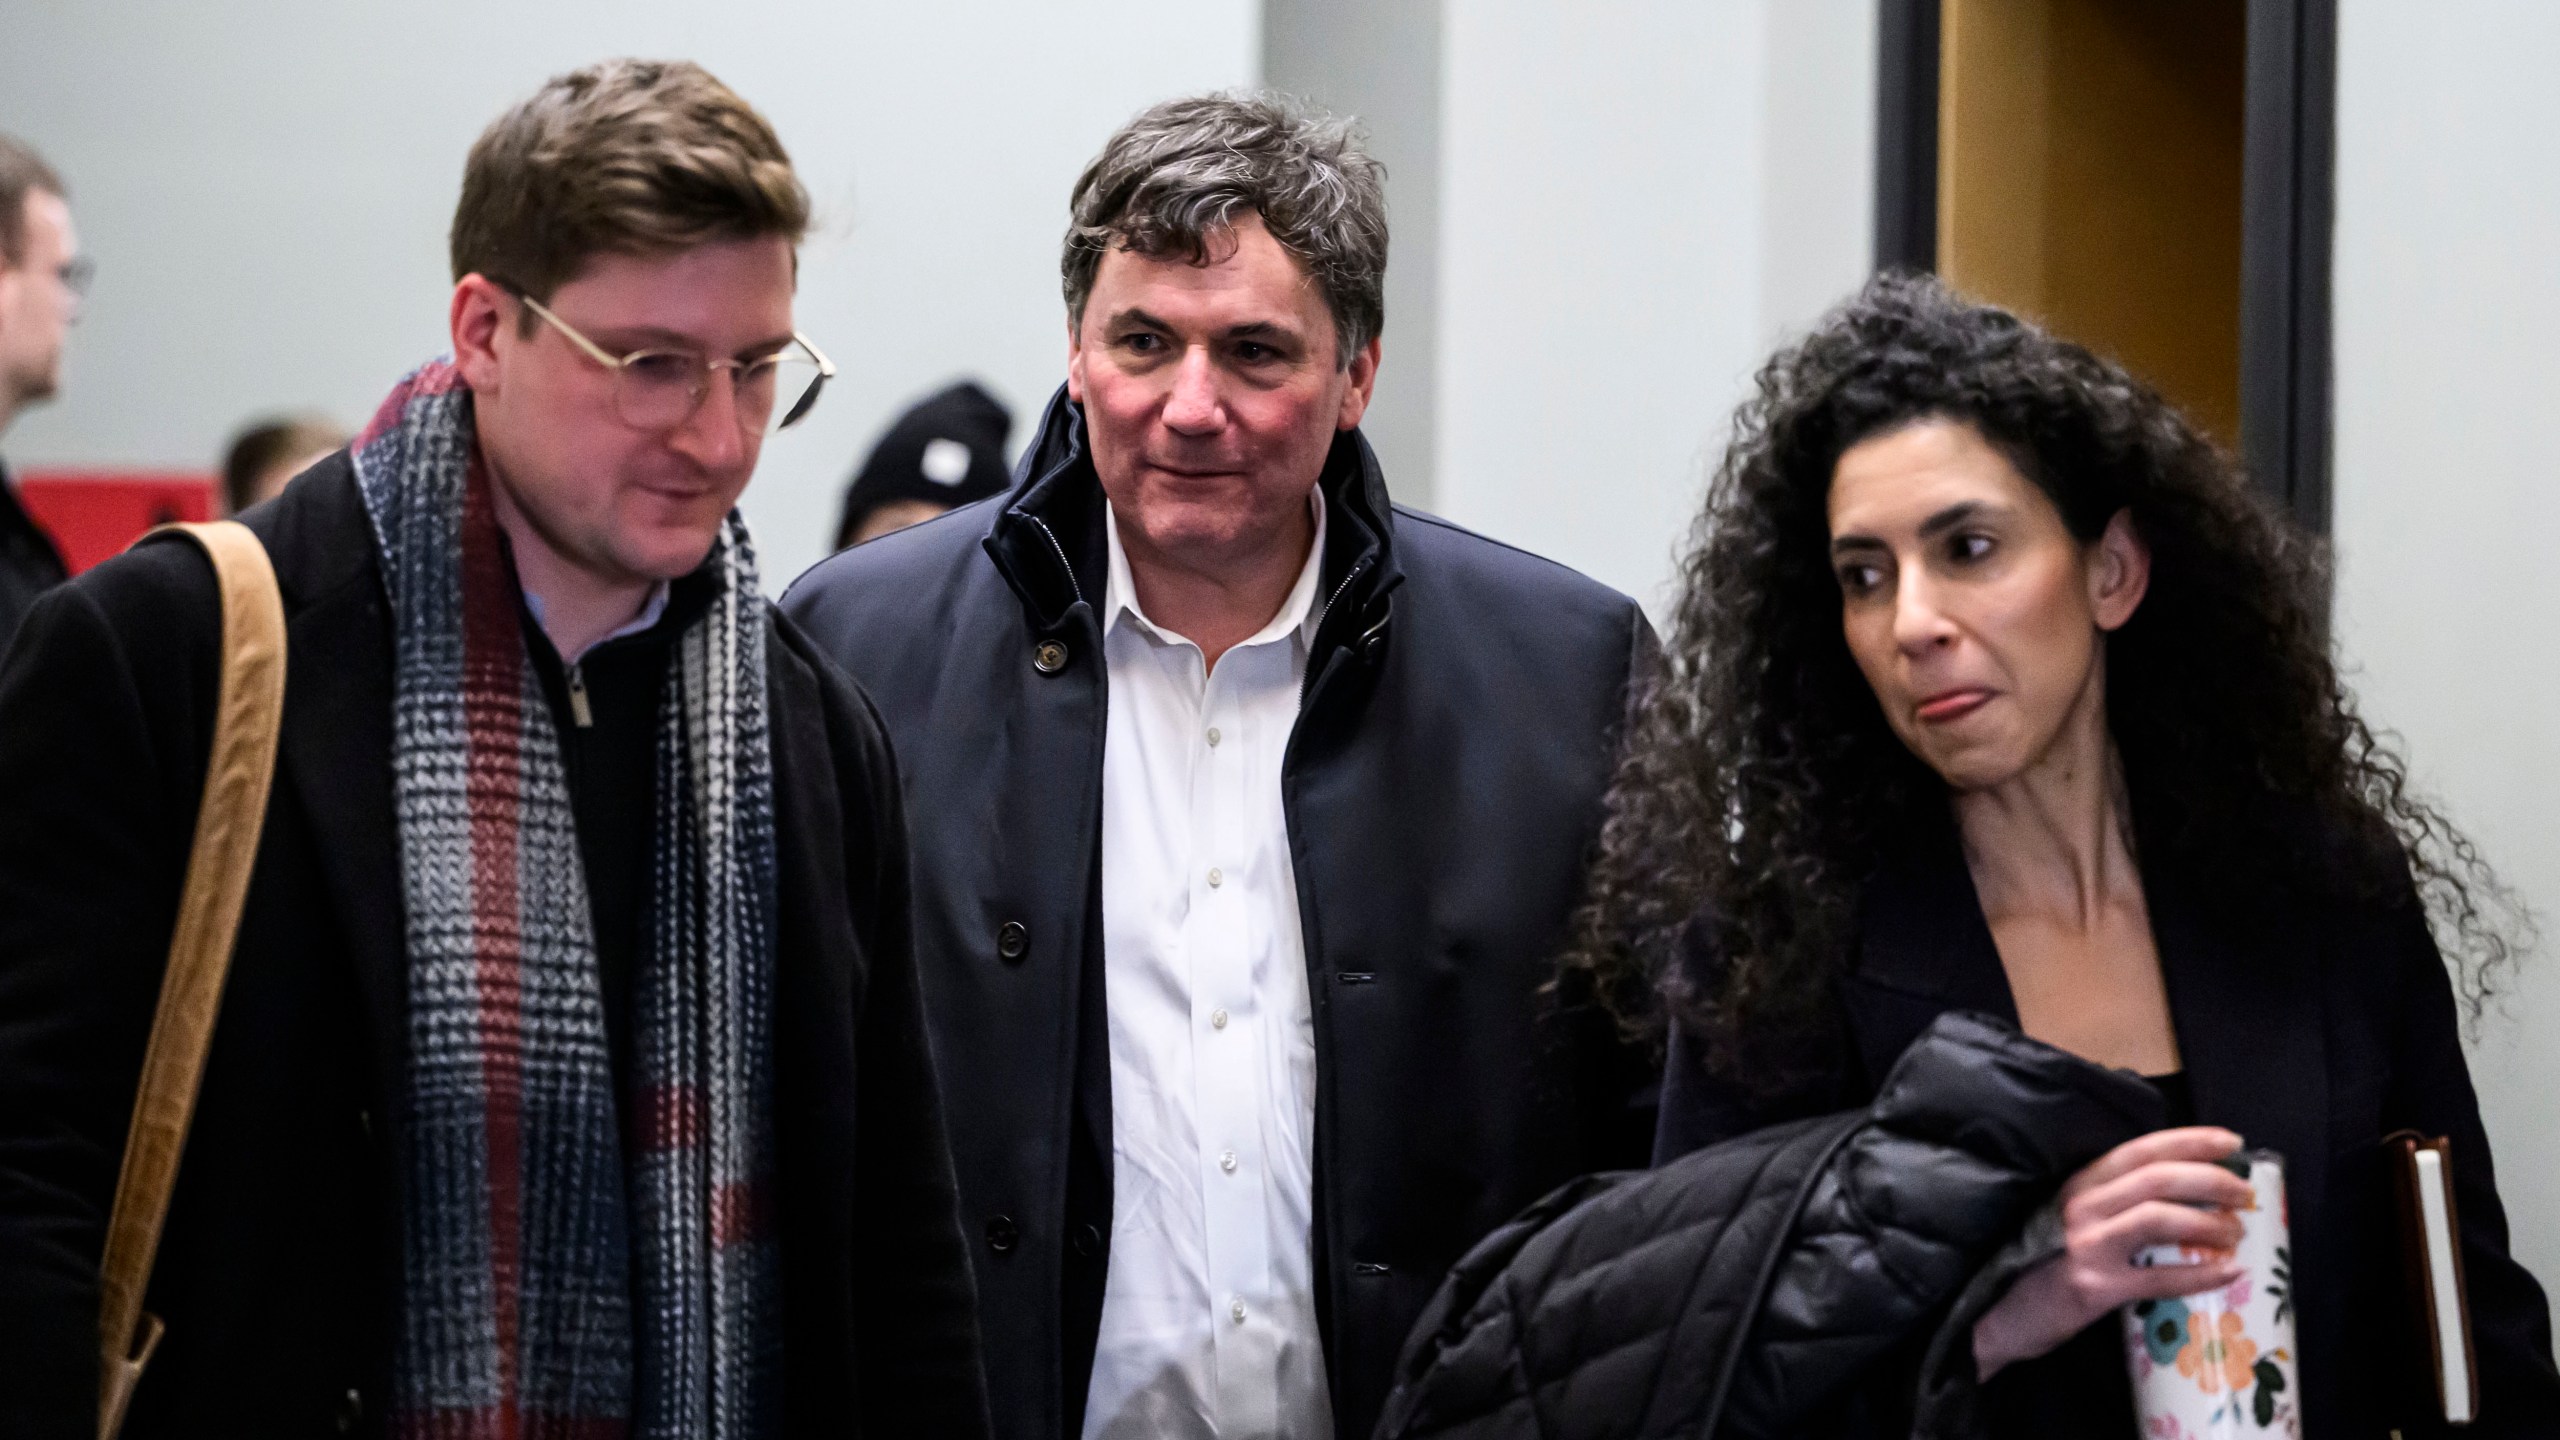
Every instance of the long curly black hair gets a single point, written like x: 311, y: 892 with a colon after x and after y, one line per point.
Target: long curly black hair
x: 1760, y: 785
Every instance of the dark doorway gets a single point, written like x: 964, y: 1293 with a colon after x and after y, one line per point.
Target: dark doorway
x: 2150, y: 177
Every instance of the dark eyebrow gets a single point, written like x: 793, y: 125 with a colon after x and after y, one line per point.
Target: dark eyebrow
x: 1250, y: 330
x: 1135, y: 316
x: 1953, y: 517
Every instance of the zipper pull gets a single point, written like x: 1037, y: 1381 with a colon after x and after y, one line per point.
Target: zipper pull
x: 578, y: 710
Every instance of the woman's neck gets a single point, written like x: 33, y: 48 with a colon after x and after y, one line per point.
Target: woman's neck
x: 2054, y: 840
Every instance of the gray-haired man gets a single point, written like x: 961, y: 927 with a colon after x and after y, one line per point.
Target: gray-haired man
x: 1248, y: 810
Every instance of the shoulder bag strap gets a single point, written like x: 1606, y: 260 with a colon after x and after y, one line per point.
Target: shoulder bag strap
x: 240, y: 766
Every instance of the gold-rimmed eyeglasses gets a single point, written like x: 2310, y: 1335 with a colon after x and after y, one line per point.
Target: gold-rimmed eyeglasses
x: 661, y: 389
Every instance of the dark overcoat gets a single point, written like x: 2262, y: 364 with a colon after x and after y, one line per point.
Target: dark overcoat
x: 1442, y: 787
x: 279, y: 1272
x: 2313, y: 1028
x: 29, y: 563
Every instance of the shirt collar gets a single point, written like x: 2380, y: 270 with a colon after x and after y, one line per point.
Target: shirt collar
x: 651, y: 610
x: 1297, y: 613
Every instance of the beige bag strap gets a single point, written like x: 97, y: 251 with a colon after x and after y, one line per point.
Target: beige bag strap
x: 242, y: 762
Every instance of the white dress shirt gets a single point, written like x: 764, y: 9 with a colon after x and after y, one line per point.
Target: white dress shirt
x: 1208, y: 1307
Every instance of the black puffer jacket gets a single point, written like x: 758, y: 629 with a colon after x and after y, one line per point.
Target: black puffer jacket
x: 1752, y: 1288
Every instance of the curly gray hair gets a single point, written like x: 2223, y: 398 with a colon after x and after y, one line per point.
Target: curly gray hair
x: 1184, y: 170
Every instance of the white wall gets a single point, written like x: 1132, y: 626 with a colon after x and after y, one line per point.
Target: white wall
x: 2446, y: 310
x: 1379, y: 61
x: 1637, y: 200
x: 267, y: 189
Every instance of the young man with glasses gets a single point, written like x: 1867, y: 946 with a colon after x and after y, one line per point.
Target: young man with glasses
x: 571, y: 1075
x: 42, y: 276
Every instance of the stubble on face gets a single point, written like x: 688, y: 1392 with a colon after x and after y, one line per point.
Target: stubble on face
x: 1212, y: 394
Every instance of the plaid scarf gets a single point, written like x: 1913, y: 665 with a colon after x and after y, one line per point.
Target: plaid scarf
x: 566, y: 1275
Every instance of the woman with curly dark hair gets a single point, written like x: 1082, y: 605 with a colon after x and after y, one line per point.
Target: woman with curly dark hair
x: 1993, y: 687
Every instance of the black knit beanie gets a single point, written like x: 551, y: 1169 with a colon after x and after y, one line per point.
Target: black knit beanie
x: 947, y: 450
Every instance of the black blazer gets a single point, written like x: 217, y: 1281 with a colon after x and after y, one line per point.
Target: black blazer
x: 279, y: 1271
x: 1442, y: 787
x: 2311, y: 1029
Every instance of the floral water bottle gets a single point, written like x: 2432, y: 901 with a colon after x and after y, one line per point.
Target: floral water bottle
x: 2220, y: 1364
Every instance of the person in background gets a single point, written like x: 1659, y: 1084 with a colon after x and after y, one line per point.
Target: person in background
x: 1249, y: 808
x: 266, y: 455
x: 1996, y: 688
x: 945, y: 452
x: 42, y: 277
x: 570, y: 1077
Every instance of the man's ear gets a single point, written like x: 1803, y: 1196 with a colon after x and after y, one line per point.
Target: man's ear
x: 479, y: 311
x: 1364, y: 382
x: 1075, y: 362
x: 2119, y: 572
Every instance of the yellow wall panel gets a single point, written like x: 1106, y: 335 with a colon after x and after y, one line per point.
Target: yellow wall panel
x: 2089, y: 176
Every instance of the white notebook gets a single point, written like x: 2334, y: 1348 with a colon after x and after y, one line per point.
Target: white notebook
x: 2433, y: 1234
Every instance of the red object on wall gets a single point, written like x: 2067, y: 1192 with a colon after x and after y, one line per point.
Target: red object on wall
x: 93, y: 514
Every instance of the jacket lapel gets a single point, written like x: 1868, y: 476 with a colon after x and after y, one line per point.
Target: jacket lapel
x: 1923, y: 949
x: 2245, y: 1002
x: 2247, y: 1007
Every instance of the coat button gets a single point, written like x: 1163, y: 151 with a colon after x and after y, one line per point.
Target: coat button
x: 350, y: 1411
x: 1012, y: 938
x: 1088, y: 1240
x: 1002, y: 1234
x: 1050, y: 657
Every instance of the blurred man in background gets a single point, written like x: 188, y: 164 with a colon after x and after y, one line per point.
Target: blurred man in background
x: 570, y: 1077
x: 1249, y: 813
x: 42, y: 275
x: 945, y: 452
x: 263, y: 457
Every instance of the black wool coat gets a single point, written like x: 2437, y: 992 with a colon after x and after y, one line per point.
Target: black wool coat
x: 2313, y: 1029
x: 278, y: 1274
x: 1442, y: 787
x: 29, y: 565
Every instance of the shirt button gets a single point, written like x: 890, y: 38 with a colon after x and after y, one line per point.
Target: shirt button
x: 1227, y: 1162
x: 1217, y: 877
x: 1236, y: 1309
x: 1213, y: 735
x: 1217, y: 1019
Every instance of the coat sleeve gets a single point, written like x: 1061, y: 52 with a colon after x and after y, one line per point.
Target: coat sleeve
x: 91, y: 840
x: 2430, y: 1092
x: 918, y: 1330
